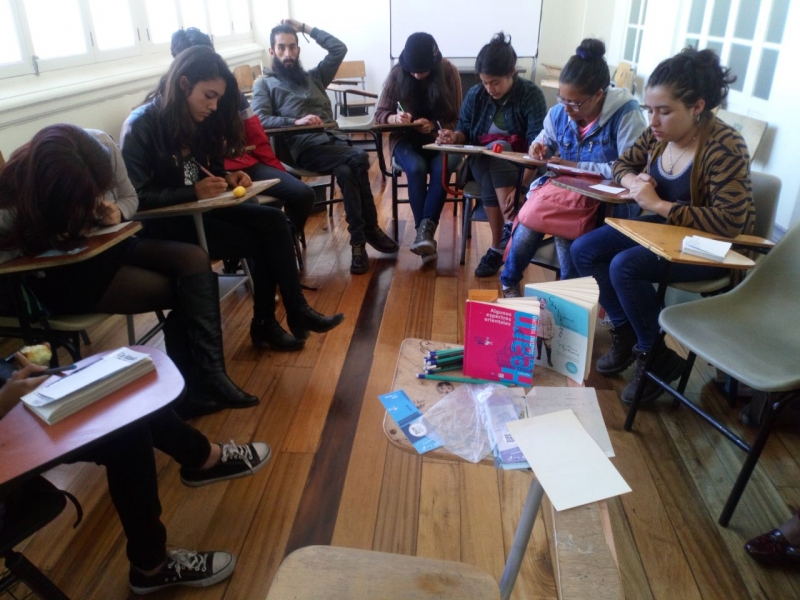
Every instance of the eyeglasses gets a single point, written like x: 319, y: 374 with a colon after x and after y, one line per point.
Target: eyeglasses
x: 571, y: 105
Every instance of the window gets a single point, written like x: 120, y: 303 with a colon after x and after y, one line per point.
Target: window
x: 747, y: 35
x: 633, y: 35
x: 44, y: 35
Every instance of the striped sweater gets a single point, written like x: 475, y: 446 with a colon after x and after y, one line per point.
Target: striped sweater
x: 722, y: 197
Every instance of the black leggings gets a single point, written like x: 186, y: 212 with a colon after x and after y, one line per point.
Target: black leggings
x: 246, y: 231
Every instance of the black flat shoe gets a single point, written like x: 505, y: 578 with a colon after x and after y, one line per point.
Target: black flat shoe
x: 306, y: 319
x: 270, y: 333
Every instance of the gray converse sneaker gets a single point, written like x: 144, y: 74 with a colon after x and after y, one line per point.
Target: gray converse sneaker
x: 182, y: 567
x: 424, y: 244
x: 236, y: 461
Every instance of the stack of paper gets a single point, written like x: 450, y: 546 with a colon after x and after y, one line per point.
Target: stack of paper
x: 59, y: 397
x: 705, y: 248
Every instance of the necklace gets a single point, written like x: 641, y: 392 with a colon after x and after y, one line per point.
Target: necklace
x: 680, y: 156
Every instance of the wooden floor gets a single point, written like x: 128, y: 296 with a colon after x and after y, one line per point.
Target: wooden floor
x: 333, y: 479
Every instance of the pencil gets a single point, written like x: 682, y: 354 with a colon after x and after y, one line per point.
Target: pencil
x: 439, y: 125
x: 445, y: 359
x: 437, y: 369
x: 400, y: 107
x: 203, y: 169
x: 647, y: 168
x: 444, y: 352
x: 462, y: 379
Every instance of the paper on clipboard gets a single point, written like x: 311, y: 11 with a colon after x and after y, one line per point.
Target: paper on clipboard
x: 609, y: 189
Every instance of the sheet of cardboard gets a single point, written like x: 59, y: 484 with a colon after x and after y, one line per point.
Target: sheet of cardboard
x: 571, y: 467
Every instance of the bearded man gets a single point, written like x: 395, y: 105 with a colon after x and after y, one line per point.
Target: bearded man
x: 289, y: 95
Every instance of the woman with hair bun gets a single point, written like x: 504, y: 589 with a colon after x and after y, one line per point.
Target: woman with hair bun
x: 688, y: 169
x: 503, y: 108
x: 590, y: 127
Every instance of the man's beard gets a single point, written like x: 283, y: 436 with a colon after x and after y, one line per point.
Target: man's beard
x: 294, y: 74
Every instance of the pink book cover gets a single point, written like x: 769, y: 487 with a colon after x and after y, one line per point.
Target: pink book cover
x: 499, y: 343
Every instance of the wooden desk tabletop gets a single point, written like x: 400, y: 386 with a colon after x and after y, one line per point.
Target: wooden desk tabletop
x: 200, y: 206
x: 393, y: 126
x: 583, y: 185
x: 299, y: 129
x: 30, y: 446
x: 666, y: 241
x: 521, y: 158
x: 581, y: 539
x: 455, y: 148
x: 92, y: 246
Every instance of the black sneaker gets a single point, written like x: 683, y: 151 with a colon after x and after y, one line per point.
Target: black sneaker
x: 360, y: 262
x: 380, y: 241
x: 620, y: 355
x: 512, y: 292
x: 490, y: 264
x: 668, y: 366
x: 183, y: 567
x: 236, y: 461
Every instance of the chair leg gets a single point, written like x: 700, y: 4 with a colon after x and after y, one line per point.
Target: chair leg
x: 27, y: 572
x: 465, y: 228
x: 637, y: 398
x: 733, y: 392
x: 85, y: 337
x: 752, y: 458
x: 394, y: 205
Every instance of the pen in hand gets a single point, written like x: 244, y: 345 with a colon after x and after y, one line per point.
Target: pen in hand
x: 439, y: 125
x: 202, y: 168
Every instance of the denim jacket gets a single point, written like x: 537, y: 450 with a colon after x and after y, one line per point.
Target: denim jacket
x: 619, y: 125
x: 524, y: 111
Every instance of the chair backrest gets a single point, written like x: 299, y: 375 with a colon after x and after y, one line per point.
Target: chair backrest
x: 2, y: 161
x: 256, y: 71
x: 352, y: 69
x: 776, y: 278
x: 624, y: 76
x: 766, y: 191
x: 752, y: 130
x: 244, y: 77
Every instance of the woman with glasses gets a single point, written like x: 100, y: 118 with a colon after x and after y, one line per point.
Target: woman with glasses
x: 503, y: 108
x: 589, y: 128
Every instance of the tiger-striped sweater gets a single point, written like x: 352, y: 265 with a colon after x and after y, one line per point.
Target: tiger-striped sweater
x: 722, y: 198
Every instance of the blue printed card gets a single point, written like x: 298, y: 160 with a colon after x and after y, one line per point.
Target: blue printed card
x: 409, y: 420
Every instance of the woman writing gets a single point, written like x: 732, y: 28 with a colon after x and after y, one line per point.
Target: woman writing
x: 589, y: 128
x: 689, y: 169
x: 62, y: 183
x: 425, y: 89
x: 192, y: 121
x: 505, y: 109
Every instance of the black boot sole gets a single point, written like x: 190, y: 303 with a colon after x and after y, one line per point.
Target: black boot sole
x: 617, y: 369
x: 303, y: 334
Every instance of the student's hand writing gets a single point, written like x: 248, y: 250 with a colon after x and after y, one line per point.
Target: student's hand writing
x: 537, y: 151
x: 446, y: 136
x: 402, y: 117
x: 107, y: 213
x: 309, y: 120
x: 19, y: 384
x: 426, y: 126
x: 238, y: 178
x: 210, y: 187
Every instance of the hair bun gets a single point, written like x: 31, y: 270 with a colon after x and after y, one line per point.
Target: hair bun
x: 590, y: 49
x: 501, y: 38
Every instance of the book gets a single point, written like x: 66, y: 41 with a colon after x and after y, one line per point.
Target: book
x: 60, y: 396
x: 582, y: 401
x: 703, y: 247
x: 499, y: 341
x: 567, y: 319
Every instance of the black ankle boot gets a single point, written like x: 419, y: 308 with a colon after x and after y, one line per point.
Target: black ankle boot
x: 268, y: 332
x: 617, y: 359
x: 549, y: 356
x: 198, y: 317
x: 305, y: 319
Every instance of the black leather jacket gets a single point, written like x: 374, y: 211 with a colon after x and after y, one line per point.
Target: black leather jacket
x: 155, y: 163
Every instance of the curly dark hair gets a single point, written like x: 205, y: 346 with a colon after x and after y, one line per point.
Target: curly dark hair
x: 186, y: 38
x: 693, y: 75
x: 219, y: 135
x: 51, y: 185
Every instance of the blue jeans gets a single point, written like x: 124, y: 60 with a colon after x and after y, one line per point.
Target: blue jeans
x: 625, y: 272
x: 524, y: 244
x: 426, y: 201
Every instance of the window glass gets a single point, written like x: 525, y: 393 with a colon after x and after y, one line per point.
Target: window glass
x: 113, y: 25
x: 696, y: 16
x: 193, y: 14
x: 716, y: 47
x: 693, y: 42
x: 162, y: 20
x: 719, y: 18
x: 218, y: 13
x: 9, y: 42
x: 630, y: 44
x: 766, y: 73
x: 777, y: 21
x: 56, y: 28
x: 737, y: 62
x: 636, y: 6
x: 746, y: 19
x: 240, y: 15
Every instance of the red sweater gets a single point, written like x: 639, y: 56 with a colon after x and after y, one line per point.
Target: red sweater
x: 262, y: 150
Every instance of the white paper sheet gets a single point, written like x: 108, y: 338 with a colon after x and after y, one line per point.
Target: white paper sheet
x: 582, y: 401
x: 610, y: 189
x: 566, y: 460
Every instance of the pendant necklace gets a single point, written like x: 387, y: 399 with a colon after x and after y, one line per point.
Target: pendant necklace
x: 680, y: 156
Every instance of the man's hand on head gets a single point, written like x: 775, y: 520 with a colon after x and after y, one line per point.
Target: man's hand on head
x: 299, y: 26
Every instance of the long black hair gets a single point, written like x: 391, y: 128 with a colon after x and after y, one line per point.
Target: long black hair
x: 429, y: 97
x: 693, y: 75
x: 221, y: 134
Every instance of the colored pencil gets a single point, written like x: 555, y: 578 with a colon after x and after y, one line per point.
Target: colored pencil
x: 456, y: 379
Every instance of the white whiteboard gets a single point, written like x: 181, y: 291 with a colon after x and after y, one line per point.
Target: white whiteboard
x: 463, y: 27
